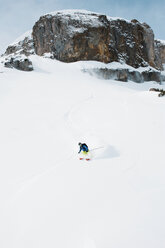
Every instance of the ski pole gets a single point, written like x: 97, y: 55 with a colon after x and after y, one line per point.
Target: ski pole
x: 97, y: 148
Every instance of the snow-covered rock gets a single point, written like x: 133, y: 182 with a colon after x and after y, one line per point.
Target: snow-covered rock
x: 122, y: 72
x: 22, y: 45
x: 80, y: 35
x: 73, y: 36
x: 160, y: 53
x: 20, y: 63
x: 17, y: 54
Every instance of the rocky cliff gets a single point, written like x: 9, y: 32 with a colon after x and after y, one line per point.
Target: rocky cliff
x: 160, y: 53
x: 16, y: 55
x: 71, y: 36
x: 132, y: 42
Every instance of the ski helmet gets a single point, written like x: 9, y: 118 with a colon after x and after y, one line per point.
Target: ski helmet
x: 79, y: 144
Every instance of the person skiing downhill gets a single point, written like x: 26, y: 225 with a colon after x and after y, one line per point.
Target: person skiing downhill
x: 84, y: 150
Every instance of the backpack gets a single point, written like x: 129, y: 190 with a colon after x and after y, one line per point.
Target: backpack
x: 84, y: 147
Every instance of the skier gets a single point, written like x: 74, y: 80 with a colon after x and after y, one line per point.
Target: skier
x: 84, y: 150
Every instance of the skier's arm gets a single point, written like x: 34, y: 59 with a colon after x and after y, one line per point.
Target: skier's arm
x: 80, y: 149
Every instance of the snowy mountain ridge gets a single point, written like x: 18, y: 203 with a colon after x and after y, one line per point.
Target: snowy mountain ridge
x: 80, y: 35
x: 75, y: 13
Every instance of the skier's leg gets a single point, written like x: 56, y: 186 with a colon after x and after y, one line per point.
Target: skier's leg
x: 81, y: 155
x: 88, y: 156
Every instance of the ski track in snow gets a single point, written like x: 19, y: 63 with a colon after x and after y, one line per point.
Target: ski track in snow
x: 106, y: 151
x: 76, y: 130
x: 76, y: 133
x: 116, y: 199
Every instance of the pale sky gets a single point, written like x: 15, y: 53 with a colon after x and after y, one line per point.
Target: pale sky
x: 19, y: 16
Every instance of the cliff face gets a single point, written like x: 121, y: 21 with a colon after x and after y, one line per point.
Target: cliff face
x: 132, y: 43
x: 71, y: 36
x: 159, y: 53
x: 87, y: 36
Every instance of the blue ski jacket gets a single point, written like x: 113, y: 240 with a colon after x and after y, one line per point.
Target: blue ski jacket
x: 84, y: 148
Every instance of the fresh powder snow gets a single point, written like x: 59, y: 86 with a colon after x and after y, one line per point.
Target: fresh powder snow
x: 49, y: 198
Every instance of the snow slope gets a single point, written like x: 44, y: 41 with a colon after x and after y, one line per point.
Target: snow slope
x: 51, y: 199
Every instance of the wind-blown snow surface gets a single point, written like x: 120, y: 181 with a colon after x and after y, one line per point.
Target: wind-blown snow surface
x: 51, y: 199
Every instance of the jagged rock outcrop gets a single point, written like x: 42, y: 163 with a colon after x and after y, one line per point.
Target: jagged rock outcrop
x: 132, y: 42
x: 161, y: 91
x: 24, y: 46
x: 16, y: 55
x: 125, y: 74
x: 159, y: 53
x: 75, y: 35
x: 23, y: 64
x: 88, y: 36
